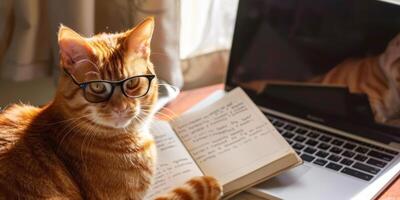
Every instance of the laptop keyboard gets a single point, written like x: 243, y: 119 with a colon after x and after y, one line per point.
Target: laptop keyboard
x: 334, y: 152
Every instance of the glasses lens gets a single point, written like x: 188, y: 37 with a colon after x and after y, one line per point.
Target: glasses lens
x: 136, y: 86
x: 98, y: 91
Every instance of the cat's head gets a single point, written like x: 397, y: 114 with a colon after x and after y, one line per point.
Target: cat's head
x: 112, y: 58
x: 389, y: 61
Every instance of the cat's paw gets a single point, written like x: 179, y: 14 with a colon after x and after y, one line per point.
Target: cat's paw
x: 206, y: 187
x: 197, y: 188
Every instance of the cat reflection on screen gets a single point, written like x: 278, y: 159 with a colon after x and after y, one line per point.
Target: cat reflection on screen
x: 377, y: 76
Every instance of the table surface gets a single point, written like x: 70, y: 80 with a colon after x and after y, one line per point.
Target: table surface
x: 188, y: 98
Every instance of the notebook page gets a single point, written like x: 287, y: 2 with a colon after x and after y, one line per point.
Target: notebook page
x: 174, y: 164
x: 230, y: 138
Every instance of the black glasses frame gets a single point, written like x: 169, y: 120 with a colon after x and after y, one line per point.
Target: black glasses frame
x: 113, y: 84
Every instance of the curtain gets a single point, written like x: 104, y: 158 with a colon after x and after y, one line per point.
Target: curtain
x: 206, y: 36
x: 23, y: 36
x: 207, y: 26
x: 28, y: 32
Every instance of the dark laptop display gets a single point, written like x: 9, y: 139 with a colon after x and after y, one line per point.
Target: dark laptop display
x: 322, y: 60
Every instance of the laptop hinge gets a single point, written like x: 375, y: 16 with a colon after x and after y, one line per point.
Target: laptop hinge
x: 395, y: 145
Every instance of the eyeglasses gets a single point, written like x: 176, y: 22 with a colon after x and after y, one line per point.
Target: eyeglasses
x: 101, y: 90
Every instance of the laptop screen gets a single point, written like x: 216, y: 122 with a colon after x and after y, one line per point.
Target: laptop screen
x: 338, y: 58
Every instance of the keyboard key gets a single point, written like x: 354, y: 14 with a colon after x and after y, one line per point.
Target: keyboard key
x: 301, y: 131
x: 324, y: 146
x: 310, y: 150
x: 289, y: 127
x: 290, y: 142
x: 361, y: 150
x: 346, y: 161
x: 307, y: 157
x: 299, y: 138
x: 348, y: 154
x: 380, y: 155
x: 298, y: 152
x: 337, y: 142
x: 311, y: 142
x: 334, y: 158
x: 334, y: 166
x: 320, y: 162
x: 278, y: 123
x: 360, y: 157
x: 322, y: 154
x: 288, y: 135
x: 298, y: 146
x: 391, y: 151
x: 366, y: 168
x: 325, y: 138
x: 377, y: 163
x: 357, y: 174
x: 336, y: 150
x: 313, y: 135
x: 379, y: 148
x: 349, y: 146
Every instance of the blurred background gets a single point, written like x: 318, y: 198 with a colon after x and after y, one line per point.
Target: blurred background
x: 190, y: 46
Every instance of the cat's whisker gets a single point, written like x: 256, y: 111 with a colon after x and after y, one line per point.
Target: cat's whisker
x: 70, y: 134
x: 76, y: 122
x: 64, y: 121
x: 169, y: 112
x: 162, y: 109
x: 138, y: 118
x: 165, y: 116
x: 160, y: 113
x: 89, y: 137
x: 73, y: 120
x: 91, y: 133
x: 84, y: 152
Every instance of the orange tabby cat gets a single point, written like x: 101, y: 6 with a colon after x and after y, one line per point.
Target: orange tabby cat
x: 377, y: 76
x: 91, y: 141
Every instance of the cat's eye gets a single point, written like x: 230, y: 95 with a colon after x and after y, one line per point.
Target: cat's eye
x: 97, y: 91
x: 136, y: 86
x: 132, y: 83
x: 97, y: 87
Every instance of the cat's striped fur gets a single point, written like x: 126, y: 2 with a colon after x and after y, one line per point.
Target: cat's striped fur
x: 376, y: 76
x: 73, y: 149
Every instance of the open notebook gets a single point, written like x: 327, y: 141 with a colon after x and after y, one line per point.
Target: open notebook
x: 230, y: 139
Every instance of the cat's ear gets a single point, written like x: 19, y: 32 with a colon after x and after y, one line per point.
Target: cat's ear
x: 390, y: 55
x: 138, y: 39
x: 73, y: 47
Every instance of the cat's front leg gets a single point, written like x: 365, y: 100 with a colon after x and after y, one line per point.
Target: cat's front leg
x: 197, y: 188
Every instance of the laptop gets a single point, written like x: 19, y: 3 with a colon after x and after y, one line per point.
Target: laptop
x: 278, y: 49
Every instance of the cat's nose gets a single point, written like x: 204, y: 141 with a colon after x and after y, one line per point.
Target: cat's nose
x: 120, y: 108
